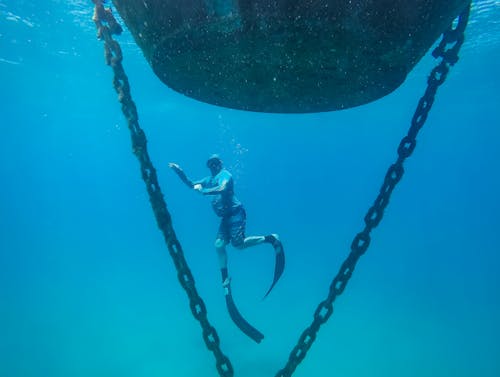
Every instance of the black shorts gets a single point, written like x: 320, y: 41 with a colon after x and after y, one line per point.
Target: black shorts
x: 232, y: 228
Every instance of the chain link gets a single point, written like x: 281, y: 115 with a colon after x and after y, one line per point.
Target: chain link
x: 449, y: 55
x: 107, y: 26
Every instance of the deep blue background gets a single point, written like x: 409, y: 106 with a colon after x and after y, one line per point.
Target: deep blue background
x: 86, y: 283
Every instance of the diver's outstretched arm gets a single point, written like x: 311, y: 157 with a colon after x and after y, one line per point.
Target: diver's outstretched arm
x: 177, y: 169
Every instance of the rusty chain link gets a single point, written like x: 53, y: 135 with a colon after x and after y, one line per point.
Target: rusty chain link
x: 449, y: 55
x: 107, y: 26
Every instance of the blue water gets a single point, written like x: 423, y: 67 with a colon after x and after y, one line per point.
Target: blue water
x: 87, y: 287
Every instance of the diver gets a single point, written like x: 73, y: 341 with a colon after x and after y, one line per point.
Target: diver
x: 220, y: 185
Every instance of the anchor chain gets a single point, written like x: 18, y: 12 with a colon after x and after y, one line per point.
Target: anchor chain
x: 449, y: 55
x: 107, y: 26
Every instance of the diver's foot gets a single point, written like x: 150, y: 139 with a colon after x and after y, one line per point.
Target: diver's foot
x: 226, y: 285
x: 273, y: 239
x: 226, y: 282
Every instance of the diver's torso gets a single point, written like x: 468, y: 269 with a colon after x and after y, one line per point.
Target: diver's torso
x: 224, y: 204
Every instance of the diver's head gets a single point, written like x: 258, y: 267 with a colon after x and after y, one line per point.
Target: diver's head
x: 214, y: 163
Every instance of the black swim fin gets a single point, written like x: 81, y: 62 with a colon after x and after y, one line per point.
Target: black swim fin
x: 279, y: 265
x: 238, y: 319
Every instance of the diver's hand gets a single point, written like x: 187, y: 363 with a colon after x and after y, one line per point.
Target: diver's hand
x: 174, y: 166
x: 197, y: 187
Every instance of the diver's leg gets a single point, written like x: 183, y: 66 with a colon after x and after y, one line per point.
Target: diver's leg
x: 238, y: 239
x: 251, y: 241
x: 237, y: 225
x: 257, y: 240
x: 220, y: 247
x: 273, y: 239
x: 237, y: 232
